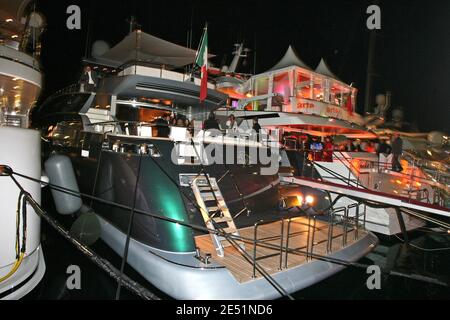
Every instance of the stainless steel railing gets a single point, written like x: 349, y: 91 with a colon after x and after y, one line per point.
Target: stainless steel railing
x: 349, y: 223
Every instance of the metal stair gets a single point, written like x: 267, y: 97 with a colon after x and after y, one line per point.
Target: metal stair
x: 214, y: 211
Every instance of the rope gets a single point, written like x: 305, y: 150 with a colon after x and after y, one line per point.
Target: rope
x: 20, y: 249
x: 204, y: 229
x: 104, y: 264
x: 130, y: 225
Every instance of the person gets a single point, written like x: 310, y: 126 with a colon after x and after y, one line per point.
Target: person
x: 328, y: 150
x: 349, y: 147
x: 168, y: 119
x: 88, y: 80
x: 370, y: 148
x: 180, y: 122
x: 231, y: 124
x: 211, y: 122
x: 256, y: 128
x: 397, y: 150
x: 384, y: 148
x: 357, y: 145
x: 316, y: 148
x: 384, y: 151
x: 363, y: 145
x: 162, y: 126
x: 190, y: 126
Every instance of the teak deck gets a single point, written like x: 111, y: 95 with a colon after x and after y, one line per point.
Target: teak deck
x: 242, y: 269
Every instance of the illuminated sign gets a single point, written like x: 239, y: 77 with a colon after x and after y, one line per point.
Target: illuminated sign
x: 305, y: 105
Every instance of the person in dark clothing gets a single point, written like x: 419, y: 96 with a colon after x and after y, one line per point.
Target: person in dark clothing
x: 256, y: 128
x: 211, y: 122
x: 397, y: 150
x: 88, y: 80
x: 162, y: 126
x: 384, y: 148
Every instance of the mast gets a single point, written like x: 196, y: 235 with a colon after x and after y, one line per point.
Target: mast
x: 370, y: 66
x: 370, y: 71
x: 254, y: 55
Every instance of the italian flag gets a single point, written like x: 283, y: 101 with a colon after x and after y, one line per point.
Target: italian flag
x: 202, y: 62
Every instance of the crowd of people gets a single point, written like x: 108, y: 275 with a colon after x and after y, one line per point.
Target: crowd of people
x: 318, y: 149
x: 164, y: 123
x: 321, y: 149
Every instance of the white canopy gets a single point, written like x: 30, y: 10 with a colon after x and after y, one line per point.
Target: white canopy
x: 290, y: 59
x: 324, y: 69
x: 143, y: 47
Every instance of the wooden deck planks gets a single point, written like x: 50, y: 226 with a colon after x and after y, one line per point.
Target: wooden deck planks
x: 242, y: 270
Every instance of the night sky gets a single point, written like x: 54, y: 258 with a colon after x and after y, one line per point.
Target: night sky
x: 412, y: 56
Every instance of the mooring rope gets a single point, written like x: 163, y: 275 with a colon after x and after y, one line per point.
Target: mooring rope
x: 205, y: 230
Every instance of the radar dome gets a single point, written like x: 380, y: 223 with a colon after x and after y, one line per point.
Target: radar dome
x: 36, y: 20
x: 99, y: 48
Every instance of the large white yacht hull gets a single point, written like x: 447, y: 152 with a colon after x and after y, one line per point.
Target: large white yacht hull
x: 20, y: 150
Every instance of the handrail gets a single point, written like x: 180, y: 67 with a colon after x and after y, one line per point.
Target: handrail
x: 382, y: 163
x: 340, y: 177
x: 348, y: 225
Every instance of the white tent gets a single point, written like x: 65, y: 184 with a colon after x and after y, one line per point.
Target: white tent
x: 324, y: 69
x: 143, y: 47
x: 290, y: 59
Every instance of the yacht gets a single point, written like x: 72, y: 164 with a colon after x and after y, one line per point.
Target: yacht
x: 22, y: 264
x: 193, y: 226
x: 299, y: 103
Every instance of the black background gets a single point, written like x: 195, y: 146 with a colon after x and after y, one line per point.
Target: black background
x: 412, y: 55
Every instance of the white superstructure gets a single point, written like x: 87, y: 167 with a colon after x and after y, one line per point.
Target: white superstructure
x: 22, y: 263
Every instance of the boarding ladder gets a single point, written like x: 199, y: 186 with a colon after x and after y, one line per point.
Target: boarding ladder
x: 215, y: 212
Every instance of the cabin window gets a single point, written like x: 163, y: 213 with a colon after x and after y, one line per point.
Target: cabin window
x: 71, y: 103
x: 282, y: 86
x: 319, y: 89
x: 102, y: 101
x: 303, y: 85
x: 65, y: 134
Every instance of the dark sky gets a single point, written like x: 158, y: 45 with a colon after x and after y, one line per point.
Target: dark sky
x: 412, y: 56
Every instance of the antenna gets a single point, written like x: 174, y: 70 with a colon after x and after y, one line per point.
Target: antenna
x: 133, y: 24
x: 88, y: 32
x: 254, y: 54
x: 370, y: 66
x: 239, y: 52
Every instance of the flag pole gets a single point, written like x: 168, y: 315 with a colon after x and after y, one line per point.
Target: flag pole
x: 205, y: 28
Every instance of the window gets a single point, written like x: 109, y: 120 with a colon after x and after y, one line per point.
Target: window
x: 303, y: 85
x: 65, y: 134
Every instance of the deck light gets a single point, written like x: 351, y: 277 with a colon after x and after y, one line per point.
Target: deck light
x: 14, y: 36
x: 300, y: 200
x: 9, y: 20
x: 309, y: 199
